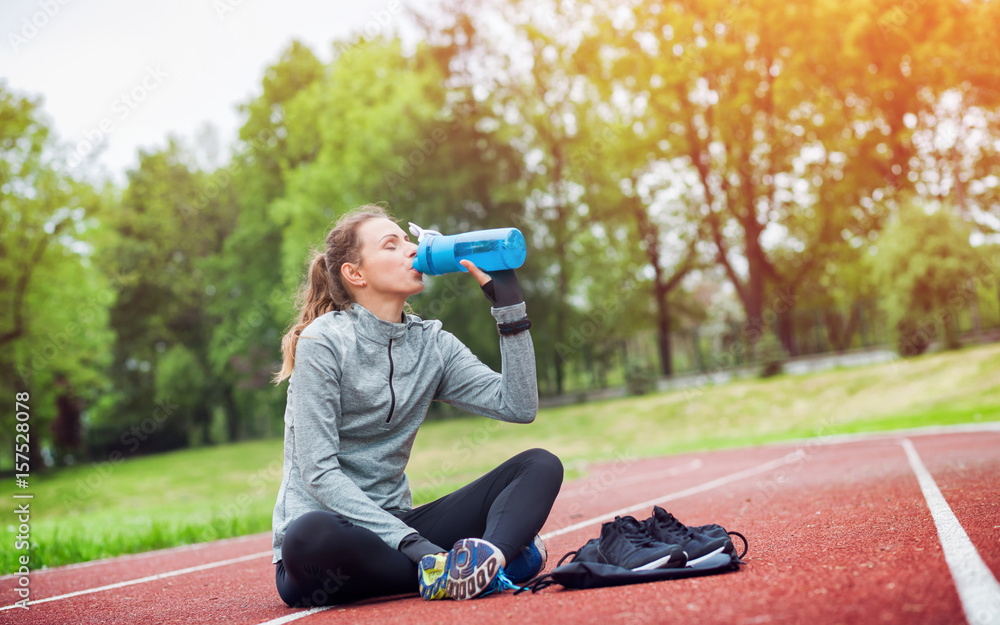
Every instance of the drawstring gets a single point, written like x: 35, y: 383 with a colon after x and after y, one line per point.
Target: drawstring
x: 536, y: 584
x: 563, y: 559
x: 543, y: 581
x: 746, y: 545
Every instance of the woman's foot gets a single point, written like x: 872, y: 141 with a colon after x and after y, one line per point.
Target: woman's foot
x: 432, y: 576
x: 473, y: 568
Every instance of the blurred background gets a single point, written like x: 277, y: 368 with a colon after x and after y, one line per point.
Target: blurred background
x: 709, y: 190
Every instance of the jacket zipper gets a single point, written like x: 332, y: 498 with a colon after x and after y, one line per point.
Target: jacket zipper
x: 392, y: 393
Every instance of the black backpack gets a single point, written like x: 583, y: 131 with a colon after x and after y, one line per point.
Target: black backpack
x: 585, y: 570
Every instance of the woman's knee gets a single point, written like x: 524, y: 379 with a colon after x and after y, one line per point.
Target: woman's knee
x: 546, y: 462
x: 310, y: 529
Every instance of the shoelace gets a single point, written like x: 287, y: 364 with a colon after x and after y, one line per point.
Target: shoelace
x: 635, y: 531
x: 669, y: 523
x: 501, y: 583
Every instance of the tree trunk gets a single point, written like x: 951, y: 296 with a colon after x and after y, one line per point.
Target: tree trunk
x: 663, y: 330
x: 232, y: 414
x: 838, y: 332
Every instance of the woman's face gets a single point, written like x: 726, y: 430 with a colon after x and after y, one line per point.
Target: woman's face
x: 387, y: 255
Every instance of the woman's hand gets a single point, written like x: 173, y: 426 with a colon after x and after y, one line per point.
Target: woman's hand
x: 501, y: 287
x: 481, y: 276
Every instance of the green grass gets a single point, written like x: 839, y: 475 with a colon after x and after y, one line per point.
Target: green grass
x: 94, y: 511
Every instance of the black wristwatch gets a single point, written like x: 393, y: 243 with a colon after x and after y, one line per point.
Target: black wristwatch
x: 514, y: 327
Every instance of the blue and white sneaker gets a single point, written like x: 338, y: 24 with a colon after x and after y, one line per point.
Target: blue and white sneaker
x: 500, y: 583
x: 528, y: 563
x: 473, y: 569
x: 432, y: 577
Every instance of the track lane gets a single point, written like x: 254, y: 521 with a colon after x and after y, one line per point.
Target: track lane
x: 863, y: 547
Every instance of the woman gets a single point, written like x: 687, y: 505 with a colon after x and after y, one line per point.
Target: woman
x: 365, y: 373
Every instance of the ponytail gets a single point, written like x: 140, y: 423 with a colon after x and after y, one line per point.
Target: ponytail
x: 324, y: 290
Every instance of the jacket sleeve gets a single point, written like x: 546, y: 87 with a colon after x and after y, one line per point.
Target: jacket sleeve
x: 467, y: 383
x: 316, y: 417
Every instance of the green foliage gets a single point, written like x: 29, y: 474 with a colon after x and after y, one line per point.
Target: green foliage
x: 53, y: 315
x: 171, y: 221
x: 923, y: 262
x: 771, y: 354
x: 640, y: 380
x: 643, y: 144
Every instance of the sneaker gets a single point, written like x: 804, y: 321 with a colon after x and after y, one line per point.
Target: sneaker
x: 625, y: 542
x: 528, y: 563
x: 714, y: 530
x: 473, y: 565
x: 500, y: 583
x: 664, y: 527
x: 431, y: 576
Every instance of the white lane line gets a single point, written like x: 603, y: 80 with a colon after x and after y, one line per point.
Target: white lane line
x: 598, y: 481
x: 296, y: 616
x: 150, y: 578
x: 130, y: 557
x: 977, y: 587
x: 863, y: 437
x: 795, y: 456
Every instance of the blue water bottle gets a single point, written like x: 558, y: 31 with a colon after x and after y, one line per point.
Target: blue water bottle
x: 490, y: 250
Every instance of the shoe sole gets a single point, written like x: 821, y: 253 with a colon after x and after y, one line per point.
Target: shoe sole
x: 661, y: 563
x: 655, y: 564
x: 434, y: 590
x: 474, y: 564
x: 706, y: 556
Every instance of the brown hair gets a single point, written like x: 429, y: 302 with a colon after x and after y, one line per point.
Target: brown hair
x: 323, y: 289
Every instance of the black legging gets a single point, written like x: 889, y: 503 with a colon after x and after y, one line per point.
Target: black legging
x: 327, y: 560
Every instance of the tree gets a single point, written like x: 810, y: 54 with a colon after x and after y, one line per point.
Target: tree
x: 250, y: 297
x: 924, y: 260
x: 162, y: 239
x: 53, y: 320
x: 790, y: 130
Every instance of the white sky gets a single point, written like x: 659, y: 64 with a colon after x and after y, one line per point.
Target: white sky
x: 190, y: 61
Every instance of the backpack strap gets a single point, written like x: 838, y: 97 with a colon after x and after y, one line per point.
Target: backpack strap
x: 746, y: 545
x: 543, y: 581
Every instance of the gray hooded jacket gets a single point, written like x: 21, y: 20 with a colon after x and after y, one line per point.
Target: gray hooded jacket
x: 361, y: 388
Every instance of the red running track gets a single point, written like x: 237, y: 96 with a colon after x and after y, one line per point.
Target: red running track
x: 840, y: 531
